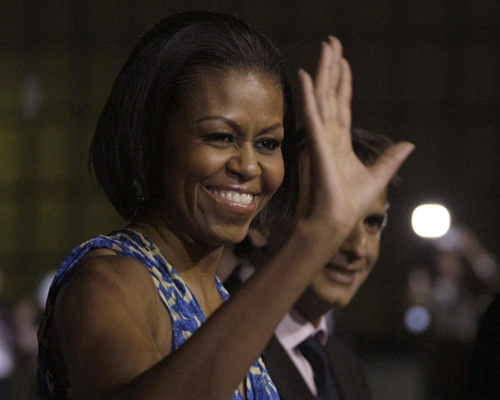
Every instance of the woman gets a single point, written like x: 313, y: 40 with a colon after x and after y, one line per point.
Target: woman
x: 194, y: 141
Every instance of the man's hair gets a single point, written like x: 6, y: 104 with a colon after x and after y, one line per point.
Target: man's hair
x: 166, y: 63
x: 368, y: 146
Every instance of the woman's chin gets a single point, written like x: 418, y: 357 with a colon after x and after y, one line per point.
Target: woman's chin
x: 233, y: 237
x: 221, y: 234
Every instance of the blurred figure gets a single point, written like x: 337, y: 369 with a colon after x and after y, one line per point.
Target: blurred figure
x: 7, y: 358
x: 452, y: 290
x: 304, y: 358
x: 26, y: 316
x: 25, y: 319
x: 484, y: 376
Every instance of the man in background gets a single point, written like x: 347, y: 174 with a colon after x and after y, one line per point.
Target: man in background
x: 304, y: 358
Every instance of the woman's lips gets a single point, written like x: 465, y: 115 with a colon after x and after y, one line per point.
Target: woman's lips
x: 239, y: 198
x: 342, y: 275
x: 239, y: 201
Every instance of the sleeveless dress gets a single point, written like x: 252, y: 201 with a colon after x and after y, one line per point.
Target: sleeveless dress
x: 185, y: 312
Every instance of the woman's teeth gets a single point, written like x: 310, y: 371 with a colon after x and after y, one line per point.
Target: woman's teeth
x: 235, y: 197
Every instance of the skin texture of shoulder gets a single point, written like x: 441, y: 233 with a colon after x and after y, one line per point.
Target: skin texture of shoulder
x: 108, y: 296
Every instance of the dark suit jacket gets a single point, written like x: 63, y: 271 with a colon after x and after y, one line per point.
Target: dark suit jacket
x: 346, y: 368
x: 345, y: 364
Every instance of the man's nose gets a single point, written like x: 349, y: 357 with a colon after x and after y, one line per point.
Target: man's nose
x: 355, y: 244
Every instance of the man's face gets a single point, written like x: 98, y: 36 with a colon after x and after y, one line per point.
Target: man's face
x: 337, y: 283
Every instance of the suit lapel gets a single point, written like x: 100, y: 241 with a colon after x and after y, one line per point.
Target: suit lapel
x: 347, y: 370
x: 284, y: 374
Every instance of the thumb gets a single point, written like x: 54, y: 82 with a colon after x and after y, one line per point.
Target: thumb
x: 388, y: 163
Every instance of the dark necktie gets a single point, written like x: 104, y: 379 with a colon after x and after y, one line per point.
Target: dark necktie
x: 314, y: 352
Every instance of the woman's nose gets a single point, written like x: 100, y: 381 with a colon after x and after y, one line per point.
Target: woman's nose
x: 244, y: 162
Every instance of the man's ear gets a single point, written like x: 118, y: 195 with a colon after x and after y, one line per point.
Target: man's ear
x: 257, y: 238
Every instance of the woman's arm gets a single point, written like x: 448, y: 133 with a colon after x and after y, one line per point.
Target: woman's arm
x: 211, y: 364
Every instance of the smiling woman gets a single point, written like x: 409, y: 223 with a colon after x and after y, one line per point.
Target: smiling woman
x: 195, y: 144
x: 225, y: 161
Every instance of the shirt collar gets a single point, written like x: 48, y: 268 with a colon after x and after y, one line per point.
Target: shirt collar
x: 294, y: 329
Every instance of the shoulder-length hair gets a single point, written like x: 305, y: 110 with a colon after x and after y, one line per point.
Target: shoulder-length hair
x: 166, y: 60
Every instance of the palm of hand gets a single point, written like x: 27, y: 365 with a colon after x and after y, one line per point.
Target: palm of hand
x: 342, y: 188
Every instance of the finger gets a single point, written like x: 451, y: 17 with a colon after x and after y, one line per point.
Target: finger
x: 388, y: 163
x: 322, y: 75
x: 335, y: 67
x: 330, y: 93
x: 311, y: 111
x: 314, y: 123
x: 344, y: 95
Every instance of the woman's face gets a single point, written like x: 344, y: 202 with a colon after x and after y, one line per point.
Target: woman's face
x: 222, y: 158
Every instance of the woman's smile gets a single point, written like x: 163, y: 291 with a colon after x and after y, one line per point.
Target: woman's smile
x: 223, y: 159
x: 237, y: 200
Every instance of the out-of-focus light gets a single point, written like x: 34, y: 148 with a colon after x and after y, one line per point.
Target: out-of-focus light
x: 485, y: 266
x: 417, y: 319
x: 430, y: 220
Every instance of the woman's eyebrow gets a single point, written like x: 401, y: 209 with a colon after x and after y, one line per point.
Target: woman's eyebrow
x: 236, y: 127
x: 271, y: 128
x: 228, y: 121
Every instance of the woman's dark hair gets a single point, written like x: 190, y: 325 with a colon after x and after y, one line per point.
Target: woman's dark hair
x: 126, y: 150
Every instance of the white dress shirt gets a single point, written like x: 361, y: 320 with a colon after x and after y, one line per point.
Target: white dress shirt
x: 292, y: 331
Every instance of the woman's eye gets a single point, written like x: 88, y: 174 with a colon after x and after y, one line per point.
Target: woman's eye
x: 269, y: 144
x: 375, y: 223
x: 219, y: 138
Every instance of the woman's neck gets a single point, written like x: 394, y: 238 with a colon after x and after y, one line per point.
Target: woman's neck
x: 196, y: 264
x: 189, y: 258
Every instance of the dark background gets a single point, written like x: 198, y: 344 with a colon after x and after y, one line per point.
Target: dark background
x: 424, y: 71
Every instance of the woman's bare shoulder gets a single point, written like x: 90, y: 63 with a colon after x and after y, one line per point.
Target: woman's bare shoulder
x: 110, y: 280
x: 104, y: 268
x: 106, y: 315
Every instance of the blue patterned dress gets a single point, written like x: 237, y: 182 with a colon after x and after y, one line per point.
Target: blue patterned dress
x: 185, y: 312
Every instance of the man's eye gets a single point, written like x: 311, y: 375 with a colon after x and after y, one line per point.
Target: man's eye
x: 375, y: 223
x: 269, y: 144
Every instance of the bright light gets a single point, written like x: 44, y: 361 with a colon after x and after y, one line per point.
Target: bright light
x: 430, y: 220
x: 417, y: 319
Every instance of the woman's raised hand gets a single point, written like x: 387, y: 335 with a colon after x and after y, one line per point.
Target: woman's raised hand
x: 342, y: 188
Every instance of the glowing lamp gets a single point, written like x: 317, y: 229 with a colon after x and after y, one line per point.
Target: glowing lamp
x: 430, y: 220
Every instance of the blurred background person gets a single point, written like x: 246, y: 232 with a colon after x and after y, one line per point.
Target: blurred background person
x: 25, y: 320
x: 454, y: 284
x: 7, y: 355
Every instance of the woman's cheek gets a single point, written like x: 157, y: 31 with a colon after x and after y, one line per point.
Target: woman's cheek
x: 275, y: 172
